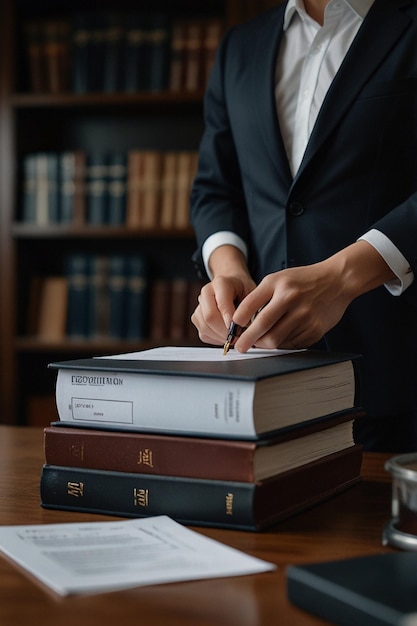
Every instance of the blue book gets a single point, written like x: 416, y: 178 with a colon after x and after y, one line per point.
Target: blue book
x: 97, y: 297
x: 97, y: 190
x: 81, y: 52
x: 159, y: 51
x: 113, y: 52
x: 137, y: 56
x: 29, y: 189
x: 117, y: 296
x: 77, y: 274
x: 116, y: 188
x: 137, y: 301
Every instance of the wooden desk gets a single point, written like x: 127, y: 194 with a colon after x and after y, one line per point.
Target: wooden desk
x: 348, y: 525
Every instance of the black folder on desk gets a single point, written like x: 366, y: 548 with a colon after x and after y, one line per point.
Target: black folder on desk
x: 378, y: 590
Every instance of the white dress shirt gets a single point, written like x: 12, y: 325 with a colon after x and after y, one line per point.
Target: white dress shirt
x: 308, y: 59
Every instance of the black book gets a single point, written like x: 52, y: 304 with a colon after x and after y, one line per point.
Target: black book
x: 228, y: 504
x: 376, y: 590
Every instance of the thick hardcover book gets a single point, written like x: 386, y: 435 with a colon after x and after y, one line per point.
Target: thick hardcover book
x: 376, y: 590
x: 196, y: 457
x: 224, y: 397
x: 229, y: 504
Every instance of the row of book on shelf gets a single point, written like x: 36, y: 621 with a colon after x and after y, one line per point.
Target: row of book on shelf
x: 111, y: 297
x: 110, y: 51
x: 234, y: 442
x: 141, y: 189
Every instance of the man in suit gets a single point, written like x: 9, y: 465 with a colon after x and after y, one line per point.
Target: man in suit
x: 305, y: 200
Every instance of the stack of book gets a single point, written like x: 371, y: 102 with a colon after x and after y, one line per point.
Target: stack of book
x: 240, y: 441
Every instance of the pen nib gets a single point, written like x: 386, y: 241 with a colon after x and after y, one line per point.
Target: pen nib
x: 226, y: 348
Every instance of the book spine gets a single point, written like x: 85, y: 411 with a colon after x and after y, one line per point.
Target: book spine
x: 192, y: 501
x: 81, y: 52
x: 159, y: 35
x: 53, y: 188
x: 56, y: 52
x: 137, y: 52
x: 189, y: 457
x: 97, y: 189
x: 117, y: 296
x: 29, y: 189
x: 116, y: 189
x: 137, y: 305
x: 97, y: 297
x: 219, y: 406
x: 66, y: 187
x: 113, y: 53
x: 77, y: 277
x: 35, y: 56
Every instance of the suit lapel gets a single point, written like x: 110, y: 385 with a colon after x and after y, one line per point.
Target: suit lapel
x: 265, y: 56
x: 384, y: 25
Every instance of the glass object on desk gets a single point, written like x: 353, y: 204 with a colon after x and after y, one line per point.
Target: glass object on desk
x: 401, y: 530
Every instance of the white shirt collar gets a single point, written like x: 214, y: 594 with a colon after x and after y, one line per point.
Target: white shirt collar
x: 360, y: 7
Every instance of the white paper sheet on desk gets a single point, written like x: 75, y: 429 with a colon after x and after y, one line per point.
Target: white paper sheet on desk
x: 172, y: 353
x: 96, y: 557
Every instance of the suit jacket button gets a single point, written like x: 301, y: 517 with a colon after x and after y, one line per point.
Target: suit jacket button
x: 296, y: 209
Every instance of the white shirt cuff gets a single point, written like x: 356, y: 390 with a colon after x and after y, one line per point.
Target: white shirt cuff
x: 394, y: 258
x: 222, y: 238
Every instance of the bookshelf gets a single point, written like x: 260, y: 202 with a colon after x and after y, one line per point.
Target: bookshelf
x: 56, y: 117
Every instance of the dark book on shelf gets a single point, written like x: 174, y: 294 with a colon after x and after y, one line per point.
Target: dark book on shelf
x: 81, y: 43
x: 137, y: 298
x: 77, y: 277
x: 159, y: 53
x: 98, y: 297
x: 137, y: 51
x: 114, y: 52
x: 159, y: 308
x: 228, y: 504
x: 56, y: 49
x: 117, y: 295
x: 72, y: 167
x: 33, y: 34
x: 116, y: 188
x: 379, y: 589
x: 197, y: 457
x: 238, y: 398
x: 97, y: 188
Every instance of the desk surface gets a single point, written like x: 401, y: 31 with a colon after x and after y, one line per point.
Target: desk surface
x: 348, y: 525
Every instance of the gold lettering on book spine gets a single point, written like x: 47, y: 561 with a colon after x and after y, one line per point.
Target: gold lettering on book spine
x: 145, y: 457
x: 229, y: 504
x: 75, y: 489
x: 141, y: 497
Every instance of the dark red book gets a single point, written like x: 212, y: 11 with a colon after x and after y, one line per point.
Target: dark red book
x: 197, y: 457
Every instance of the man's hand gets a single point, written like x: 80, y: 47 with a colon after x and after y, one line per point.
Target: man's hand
x: 231, y: 283
x: 299, y: 305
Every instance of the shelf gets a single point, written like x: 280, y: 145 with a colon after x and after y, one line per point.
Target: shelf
x: 54, y: 231
x: 103, y: 100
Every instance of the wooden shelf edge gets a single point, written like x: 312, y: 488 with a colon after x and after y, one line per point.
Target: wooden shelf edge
x: 47, y: 100
x: 64, y: 231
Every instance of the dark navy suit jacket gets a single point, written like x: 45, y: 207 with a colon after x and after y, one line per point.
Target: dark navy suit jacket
x: 359, y: 172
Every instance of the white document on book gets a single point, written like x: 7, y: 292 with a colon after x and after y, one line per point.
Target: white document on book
x: 95, y: 557
x: 173, y: 353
